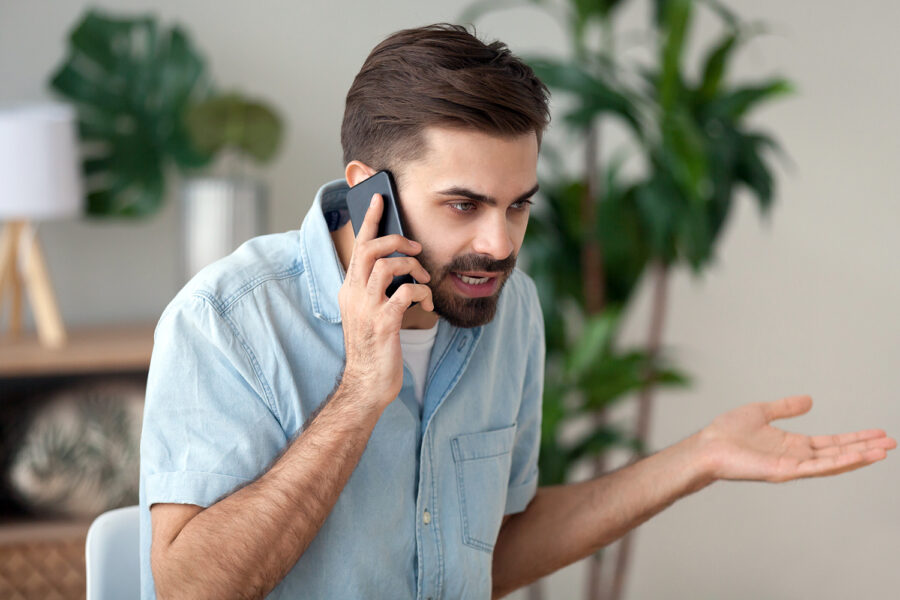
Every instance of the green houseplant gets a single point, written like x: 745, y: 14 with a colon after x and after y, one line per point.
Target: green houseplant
x: 220, y: 212
x: 600, y: 232
x: 131, y: 82
x: 145, y: 104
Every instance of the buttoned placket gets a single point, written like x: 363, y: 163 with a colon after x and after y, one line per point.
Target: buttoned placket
x: 451, y: 353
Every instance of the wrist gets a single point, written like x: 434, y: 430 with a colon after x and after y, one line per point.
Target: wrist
x: 356, y: 389
x: 698, y: 461
x: 704, y: 457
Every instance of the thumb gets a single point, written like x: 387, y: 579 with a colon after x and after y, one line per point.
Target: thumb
x: 790, y: 406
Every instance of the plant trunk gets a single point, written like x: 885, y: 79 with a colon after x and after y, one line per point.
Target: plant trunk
x: 645, y: 404
x: 593, y: 277
x: 591, y: 253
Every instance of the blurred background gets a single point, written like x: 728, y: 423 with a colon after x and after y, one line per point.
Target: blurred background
x: 800, y: 301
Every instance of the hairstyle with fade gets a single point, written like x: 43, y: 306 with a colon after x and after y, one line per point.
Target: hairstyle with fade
x: 437, y: 75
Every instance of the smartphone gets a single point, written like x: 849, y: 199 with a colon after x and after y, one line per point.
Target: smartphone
x: 358, y: 199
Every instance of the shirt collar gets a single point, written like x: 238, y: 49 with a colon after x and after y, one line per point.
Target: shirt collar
x: 319, y: 256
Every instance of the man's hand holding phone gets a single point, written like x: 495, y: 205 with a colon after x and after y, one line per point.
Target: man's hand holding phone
x: 371, y: 319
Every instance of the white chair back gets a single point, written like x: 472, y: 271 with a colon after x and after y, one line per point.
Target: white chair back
x: 112, y: 555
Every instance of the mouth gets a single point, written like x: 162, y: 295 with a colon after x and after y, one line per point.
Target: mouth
x: 475, y: 284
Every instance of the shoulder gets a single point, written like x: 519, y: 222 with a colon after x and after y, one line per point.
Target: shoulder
x: 258, y: 262
x: 522, y: 295
x: 519, y: 308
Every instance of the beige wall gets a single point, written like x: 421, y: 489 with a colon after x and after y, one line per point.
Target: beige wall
x: 805, y: 304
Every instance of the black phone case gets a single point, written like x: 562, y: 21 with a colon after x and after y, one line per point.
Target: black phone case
x: 358, y: 199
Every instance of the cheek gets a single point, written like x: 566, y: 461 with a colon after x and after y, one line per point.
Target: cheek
x: 440, y: 240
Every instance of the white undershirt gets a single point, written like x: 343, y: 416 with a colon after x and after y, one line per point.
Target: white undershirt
x: 417, y: 345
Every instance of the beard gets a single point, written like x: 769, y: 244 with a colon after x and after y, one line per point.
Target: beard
x: 459, y: 310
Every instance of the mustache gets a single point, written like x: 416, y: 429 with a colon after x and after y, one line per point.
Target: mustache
x: 476, y: 262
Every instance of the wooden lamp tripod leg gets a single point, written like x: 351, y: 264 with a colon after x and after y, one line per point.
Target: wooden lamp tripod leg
x: 40, y: 291
x: 10, y: 282
x: 19, y: 237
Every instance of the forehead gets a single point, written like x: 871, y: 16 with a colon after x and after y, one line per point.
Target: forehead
x: 455, y: 156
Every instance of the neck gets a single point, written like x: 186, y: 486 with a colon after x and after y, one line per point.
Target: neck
x: 415, y: 317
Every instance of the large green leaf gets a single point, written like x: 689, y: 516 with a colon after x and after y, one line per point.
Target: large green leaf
x: 714, y: 66
x: 659, y: 203
x: 695, y: 237
x: 595, y: 95
x: 130, y: 83
x: 622, y: 237
x: 752, y: 169
x: 676, y: 17
x: 231, y: 120
x: 597, y: 335
x: 683, y: 155
x: 736, y: 103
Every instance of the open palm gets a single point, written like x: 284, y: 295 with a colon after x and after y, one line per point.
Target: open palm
x: 743, y: 445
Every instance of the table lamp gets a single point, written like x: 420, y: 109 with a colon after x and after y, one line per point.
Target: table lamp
x: 40, y: 179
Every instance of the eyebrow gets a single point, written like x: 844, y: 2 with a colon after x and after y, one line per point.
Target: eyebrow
x: 489, y: 200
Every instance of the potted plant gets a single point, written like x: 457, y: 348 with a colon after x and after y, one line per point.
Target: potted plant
x: 221, y: 211
x: 145, y: 107
x: 599, y: 233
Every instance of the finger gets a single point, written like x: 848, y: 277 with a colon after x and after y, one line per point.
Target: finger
x: 841, y: 463
x: 881, y: 442
x: 388, y: 244
x: 386, y: 269
x: 369, y: 228
x: 825, y: 441
x: 367, y: 253
x: 408, y: 293
x: 787, y: 407
x: 358, y: 269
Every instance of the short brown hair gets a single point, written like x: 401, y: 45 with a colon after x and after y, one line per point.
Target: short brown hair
x: 437, y: 75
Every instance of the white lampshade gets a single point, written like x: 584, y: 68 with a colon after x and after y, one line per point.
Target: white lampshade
x: 40, y: 168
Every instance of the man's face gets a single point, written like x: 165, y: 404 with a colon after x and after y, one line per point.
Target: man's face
x: 467, y: 202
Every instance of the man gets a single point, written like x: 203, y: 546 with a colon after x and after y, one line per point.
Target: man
x: 307, y: 436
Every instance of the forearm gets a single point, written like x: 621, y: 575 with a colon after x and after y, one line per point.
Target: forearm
x: 245, y: 544
x: 566, y: 523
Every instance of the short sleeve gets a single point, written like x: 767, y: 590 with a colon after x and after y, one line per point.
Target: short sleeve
x: 523, y: 477
x: 208, y: 428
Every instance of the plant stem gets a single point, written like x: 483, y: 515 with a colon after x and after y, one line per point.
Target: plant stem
x: 659, y: 272
x: 591, y: 254
x: 594, y: 297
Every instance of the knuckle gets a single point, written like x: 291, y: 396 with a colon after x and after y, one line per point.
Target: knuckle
x: 364, y: 250
x: 380, y: 268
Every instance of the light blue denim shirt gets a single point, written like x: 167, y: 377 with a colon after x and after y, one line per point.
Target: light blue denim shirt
x: 253, y: 344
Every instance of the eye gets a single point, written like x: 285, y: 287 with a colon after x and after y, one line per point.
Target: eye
x: 523, y: 204
x: 465, y: 206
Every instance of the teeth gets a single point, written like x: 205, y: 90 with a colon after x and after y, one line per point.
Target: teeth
x: 473, y: 280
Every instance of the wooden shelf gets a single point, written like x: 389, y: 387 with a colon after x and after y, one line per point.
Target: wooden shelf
x: 33, y: 529
x: 88, y: 350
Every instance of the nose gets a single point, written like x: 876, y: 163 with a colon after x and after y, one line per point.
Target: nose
x: 494, y: 239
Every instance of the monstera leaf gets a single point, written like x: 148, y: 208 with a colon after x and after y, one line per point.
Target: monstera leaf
x: 231, y: 120
x: 131, y: 84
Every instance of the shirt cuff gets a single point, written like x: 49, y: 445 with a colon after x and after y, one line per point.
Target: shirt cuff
x: 518, y: 497
x: 191, y: 487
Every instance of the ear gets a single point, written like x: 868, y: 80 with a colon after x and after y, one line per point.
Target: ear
x: 357, y: 171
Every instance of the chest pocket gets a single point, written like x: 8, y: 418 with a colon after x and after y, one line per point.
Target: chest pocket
x: 483, y: 462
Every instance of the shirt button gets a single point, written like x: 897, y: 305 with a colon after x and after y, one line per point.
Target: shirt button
x: 426, y: 517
